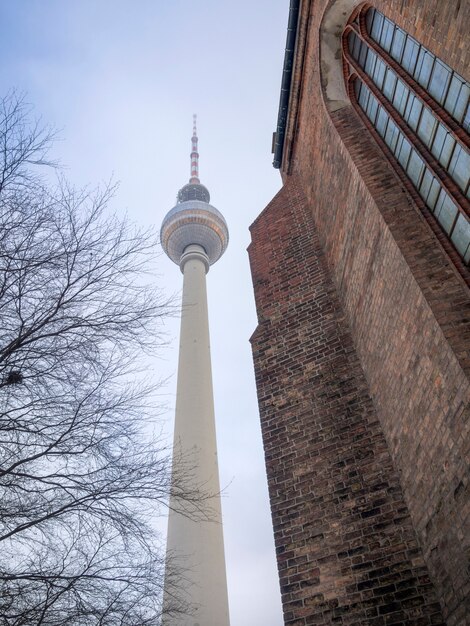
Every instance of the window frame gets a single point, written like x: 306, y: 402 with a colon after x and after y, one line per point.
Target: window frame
x: 455, y: 192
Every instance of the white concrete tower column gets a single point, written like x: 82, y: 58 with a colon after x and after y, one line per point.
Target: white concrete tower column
x: 194, y: 235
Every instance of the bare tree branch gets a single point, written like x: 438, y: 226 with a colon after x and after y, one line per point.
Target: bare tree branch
x: 80, y: 485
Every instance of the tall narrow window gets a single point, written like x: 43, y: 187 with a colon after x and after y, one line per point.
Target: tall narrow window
x: 419, y: 109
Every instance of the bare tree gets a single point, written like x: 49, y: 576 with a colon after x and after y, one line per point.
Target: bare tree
x: 79, y: 484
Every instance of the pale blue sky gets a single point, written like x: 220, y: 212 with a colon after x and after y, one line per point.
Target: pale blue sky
x: 121, y: 80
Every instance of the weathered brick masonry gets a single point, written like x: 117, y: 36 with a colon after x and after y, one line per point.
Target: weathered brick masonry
x: 408, y: 346
x: 346, y: 547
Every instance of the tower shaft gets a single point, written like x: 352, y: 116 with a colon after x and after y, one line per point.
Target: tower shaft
x: 194, y: 235
x: 197, y: 545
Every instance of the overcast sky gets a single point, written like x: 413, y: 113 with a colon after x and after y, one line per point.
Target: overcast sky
x: 121, y: 80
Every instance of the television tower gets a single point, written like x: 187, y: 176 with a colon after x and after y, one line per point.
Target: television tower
x: 194, y: 235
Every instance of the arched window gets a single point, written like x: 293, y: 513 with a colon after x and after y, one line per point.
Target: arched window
x: 418, y: 108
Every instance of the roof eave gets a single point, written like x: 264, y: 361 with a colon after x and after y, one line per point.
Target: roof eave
x: 286, y: 83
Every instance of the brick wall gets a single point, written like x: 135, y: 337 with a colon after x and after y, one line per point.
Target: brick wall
x: 346, y: 549
x: 407, y: 309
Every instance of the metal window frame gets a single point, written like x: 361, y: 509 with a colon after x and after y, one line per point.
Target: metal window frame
x: 354, y: 72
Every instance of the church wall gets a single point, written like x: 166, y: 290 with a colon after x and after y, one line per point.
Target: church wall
x: 346, y: 548
x: 407, y: 309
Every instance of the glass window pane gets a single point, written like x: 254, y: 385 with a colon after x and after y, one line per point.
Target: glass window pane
x: 404, y: 152
x: 461, y: 237
x: 362, y: 54
x: 370, y: 62
x: 379, y: 73
x: 424, y: 67
x: 439, y: 139
x: 457, y: 98
x: 351, y: 37
x: 356, y: 46
x: 425, y: 186
x: 351, y: 41
x: 415, y: 168
x: 357, y: 88
x: 372, y: 109
x: 459, y: 167
x: 427, y: 127
x: 387, y: 34
x: 398, y: 44
x: 433, y: 194
x: 377, y: 23
x: 369, y: 19
x: 381, y: 122
x: 466, y: 121
x: 389, y: 84
x: 439, y: 81
x: 413, y: 112
x: 399, y: 142
x: 410, y: 55
x: 445, y: 211
x: 453, y: 94
x: 362, y: 93
x: 392, y: 134
x: 401, y: 97
x: 447, y: 150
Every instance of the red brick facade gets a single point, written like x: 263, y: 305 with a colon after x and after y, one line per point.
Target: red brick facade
x: 362, y: 358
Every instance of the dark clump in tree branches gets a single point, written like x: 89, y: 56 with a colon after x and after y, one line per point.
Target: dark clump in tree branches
x: 79, y: 483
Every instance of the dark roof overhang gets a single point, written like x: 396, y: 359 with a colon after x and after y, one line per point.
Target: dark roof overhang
x: 286, y: 82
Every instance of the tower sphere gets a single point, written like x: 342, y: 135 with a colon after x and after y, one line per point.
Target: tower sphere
x: 193, y: 221
x: 194, y: 191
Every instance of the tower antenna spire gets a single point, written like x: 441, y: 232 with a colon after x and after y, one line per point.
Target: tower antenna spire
x: 194, y: 155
